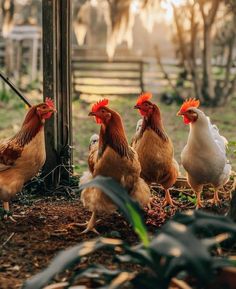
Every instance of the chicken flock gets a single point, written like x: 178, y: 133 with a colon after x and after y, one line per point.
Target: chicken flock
x: 148, y: 159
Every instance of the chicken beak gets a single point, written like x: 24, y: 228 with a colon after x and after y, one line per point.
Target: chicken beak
x: 136, y: 106
x: 92, y: 113
x: 52, y: 110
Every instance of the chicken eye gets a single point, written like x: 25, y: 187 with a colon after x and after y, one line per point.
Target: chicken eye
x: 44, y: 107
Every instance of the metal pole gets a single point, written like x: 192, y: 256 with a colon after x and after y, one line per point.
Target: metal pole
x: 16, y: 90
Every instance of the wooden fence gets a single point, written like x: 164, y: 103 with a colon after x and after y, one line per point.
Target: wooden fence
x: 129, y: 76
x: 97, y: 76
x: 121, y: 76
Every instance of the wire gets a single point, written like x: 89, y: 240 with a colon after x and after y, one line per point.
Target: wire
x: 16, y: 90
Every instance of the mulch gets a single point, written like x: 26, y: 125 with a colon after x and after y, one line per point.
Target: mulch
x: 42, y: 230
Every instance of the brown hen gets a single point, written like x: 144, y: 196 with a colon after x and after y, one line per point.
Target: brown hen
x: 23, y: 155
x: 154, y: 148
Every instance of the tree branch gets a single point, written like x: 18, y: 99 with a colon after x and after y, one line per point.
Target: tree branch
x: 166, y: 76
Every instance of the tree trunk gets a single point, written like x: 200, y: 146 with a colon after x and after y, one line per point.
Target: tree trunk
x: 207, y: 81
x: 208, y: 18
x: 193, y: 55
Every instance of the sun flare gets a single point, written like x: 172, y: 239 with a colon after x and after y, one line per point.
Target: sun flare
x: 168, y: 8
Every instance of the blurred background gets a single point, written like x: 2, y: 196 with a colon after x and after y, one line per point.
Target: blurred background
x: 172, y: 48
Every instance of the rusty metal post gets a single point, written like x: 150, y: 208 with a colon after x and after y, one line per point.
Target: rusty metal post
x: 56, y: 84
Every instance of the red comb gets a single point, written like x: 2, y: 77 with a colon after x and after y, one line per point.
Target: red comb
x: 189, y: 103
x: 49, y: 102
x: 100, y: 103
x: 144, y: 97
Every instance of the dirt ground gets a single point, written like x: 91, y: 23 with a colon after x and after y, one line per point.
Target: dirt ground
x: 42, y: 230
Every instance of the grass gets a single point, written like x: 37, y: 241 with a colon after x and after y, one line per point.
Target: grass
x: 84, y: 126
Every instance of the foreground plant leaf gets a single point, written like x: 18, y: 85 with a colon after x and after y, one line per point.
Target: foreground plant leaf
x: 127, y: 206
x: 67, y: 259
x: 180, y: 251
x: 209, y: 224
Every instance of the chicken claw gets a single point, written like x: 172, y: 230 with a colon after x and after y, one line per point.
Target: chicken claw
x: 168, y: 200
x: 8, y: 217
x: 216, y: 200
x: 7, y: 214
x: 90, y: 225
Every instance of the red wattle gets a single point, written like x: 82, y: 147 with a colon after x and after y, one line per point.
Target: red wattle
x: 143, y: 113
x: 98, y: 120
x: 186, y: 120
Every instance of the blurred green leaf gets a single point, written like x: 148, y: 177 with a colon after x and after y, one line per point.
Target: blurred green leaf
x: 67, y: 259
x: 122, y: 200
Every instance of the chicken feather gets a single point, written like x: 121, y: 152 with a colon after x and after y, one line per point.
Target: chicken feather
x: 23, y: 155
x: 154, y: 147
x: 204, y: 156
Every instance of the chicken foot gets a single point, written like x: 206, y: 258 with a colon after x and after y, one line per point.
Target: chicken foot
x: 90, y: 225
x: 168, y: 200
x: 7, y: 210
x: 216, y: 200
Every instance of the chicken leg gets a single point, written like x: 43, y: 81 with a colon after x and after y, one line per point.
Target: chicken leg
x: 199, y: 202
x: 168, y: 200
x: 216, y: 200
x: 197, y: 189
x: 90, y: 225
x: 7, y: 210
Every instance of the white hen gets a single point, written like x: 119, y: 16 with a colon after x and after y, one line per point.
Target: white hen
x: 204, y: 156
x: 137, y: 131
x: 92, y: 158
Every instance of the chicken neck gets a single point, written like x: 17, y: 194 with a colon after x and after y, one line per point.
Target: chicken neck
x: 112, y: 134
x: 154, y: 122
x: 30, y: 127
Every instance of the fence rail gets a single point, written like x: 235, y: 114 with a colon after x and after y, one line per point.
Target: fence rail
x: 121, y: 76
x: 97, y: 76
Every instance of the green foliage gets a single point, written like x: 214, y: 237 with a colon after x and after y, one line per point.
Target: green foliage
x: 5, y: 95
x: 232, y: 147
x: 182, y: 247
x: 129, y: 208
x: 4, y: 213
x: 183, y: 197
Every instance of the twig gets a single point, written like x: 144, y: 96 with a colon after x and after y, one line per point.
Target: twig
x: 166, y: 76
x: 180, y: 284
x: 8, y: 239
x: 56, y: 286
